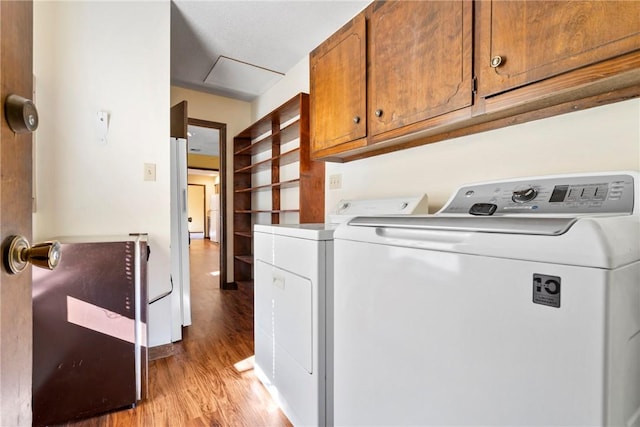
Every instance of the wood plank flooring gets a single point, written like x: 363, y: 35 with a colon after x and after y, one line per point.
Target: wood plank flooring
x: 209, y: 380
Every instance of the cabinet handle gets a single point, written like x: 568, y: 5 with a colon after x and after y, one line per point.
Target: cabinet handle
x: 496, y: 61
x: 356, y: 119
x: 378, y: 113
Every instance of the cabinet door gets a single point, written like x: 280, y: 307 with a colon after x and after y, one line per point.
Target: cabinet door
x: 522, y: 42
x: 337, y: 88
x: 420, y: 63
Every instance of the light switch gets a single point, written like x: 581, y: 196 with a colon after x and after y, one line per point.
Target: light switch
x: 102, y: 126
x: 149, y: 171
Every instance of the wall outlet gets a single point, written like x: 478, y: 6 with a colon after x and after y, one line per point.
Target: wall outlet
x: 335, y: 181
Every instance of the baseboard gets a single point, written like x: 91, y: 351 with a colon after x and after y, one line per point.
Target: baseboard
x: 229, y: 286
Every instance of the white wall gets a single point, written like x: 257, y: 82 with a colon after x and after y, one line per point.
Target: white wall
x: 111, y: 56
x: 295, y: 81
x: 598, y: 139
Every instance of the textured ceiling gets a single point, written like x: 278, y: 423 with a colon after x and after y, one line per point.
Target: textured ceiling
x: 269, y: 35
x: 203, y: 141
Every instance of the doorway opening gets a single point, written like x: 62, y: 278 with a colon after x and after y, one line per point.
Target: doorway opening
x: 206, y: 166
x: 197, y: 209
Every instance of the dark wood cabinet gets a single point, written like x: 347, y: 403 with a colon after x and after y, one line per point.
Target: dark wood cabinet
x: 536, y: 59
x: 278, y: 140
x: 437, y: 70
x: 524, y: 42
x: 396, y: 64
x: 338, y: 82
x: 419, y: 61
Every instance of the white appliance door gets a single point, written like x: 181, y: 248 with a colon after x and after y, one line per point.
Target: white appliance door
x: 214, y: 231
x: 424, y: 337
x: 181, y: 298
x: 215, y: 202
x: 214, y: 228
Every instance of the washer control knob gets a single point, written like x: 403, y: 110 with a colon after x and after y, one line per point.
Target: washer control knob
x: 524, y: 195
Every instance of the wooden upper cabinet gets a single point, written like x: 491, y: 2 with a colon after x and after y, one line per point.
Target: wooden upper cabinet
x: 407, y: 73
x: 389, y: 70
x: 338, y: 88
x: 420, y: 61
x: 529, y: 41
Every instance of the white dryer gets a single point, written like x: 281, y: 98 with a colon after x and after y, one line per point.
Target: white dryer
x: 293, y: 285
x: 518, y: 304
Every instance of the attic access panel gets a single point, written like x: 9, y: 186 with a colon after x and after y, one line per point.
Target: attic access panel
x: 241, y: 77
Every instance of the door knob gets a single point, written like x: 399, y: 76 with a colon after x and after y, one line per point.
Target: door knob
x: 19, y: 253
x: 21, y: 114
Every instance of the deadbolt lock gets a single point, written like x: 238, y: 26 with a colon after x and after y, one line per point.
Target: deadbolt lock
x: 21, y: 114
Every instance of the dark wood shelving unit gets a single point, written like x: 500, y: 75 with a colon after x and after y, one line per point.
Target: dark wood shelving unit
x: 290, y: 132
x: 283, y: 159
x: 243, y: 234
x: 283, y: 184
x: 283, y: 125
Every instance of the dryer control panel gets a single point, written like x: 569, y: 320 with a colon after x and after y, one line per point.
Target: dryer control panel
x: 566, y: 194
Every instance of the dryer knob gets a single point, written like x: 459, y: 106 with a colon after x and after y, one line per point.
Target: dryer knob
x: 524, y: 195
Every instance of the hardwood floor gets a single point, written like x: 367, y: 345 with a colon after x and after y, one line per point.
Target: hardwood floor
x: 209, y: 380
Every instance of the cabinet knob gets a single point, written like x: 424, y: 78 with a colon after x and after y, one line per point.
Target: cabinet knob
x: 378, y: 113
x: 356, y: 119
x: 496, y: 61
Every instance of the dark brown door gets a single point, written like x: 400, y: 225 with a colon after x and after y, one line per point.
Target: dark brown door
x: 179, y: 119
x: 420, y: 65
x: 534, y: 40
x: 16, y: 56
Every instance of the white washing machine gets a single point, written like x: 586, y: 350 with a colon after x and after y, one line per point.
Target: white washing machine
x: 518, y: 304
x: 293, y: 285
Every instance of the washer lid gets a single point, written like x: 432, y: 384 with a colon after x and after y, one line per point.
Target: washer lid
x: 602, y: 242
x: 319, y: 231
x: 506, y: 225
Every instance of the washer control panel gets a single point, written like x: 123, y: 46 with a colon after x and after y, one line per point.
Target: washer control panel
x: 570, y: 194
